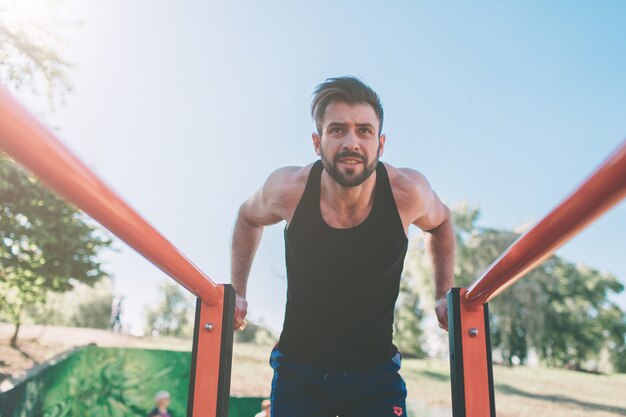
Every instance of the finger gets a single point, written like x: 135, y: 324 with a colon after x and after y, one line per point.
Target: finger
x: 240, y: 324
x: 443, y: 324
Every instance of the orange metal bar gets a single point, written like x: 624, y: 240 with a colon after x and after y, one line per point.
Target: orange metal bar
x: 603, y: 189
x: 31, y: 144
x: 476, y: 365
x: 206, y: 378
x: 471, y: 374
x: 209, y: 388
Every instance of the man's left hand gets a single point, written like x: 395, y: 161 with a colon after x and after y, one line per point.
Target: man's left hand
x: 441, y: 309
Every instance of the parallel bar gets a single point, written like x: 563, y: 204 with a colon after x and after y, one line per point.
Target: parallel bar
x: 226, y: 351
x: 209, y: 385
x: 470, y: 358
x: 456, y: 353
x: 31, y: 144
x: 209, y: 382
x: 603, y: 189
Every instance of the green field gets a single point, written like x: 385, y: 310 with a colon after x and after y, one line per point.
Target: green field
x: 520, y: 391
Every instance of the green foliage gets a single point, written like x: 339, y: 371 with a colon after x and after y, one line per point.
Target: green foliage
x: 408, y: 333
x: 84, y: 306
x: 173, y: 313
x: 94, y: 313
x: 613, y: 321
x: 560, y: 310
x: 46, y: 245
x: 29, y: 48
x: 408, y: 329
x: 578, y: 316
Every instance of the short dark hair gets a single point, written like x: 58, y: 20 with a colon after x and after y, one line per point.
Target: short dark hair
x: 348, y: 89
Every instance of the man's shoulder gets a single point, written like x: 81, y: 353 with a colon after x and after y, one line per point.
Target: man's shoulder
x: 406, y: 181
x: 288, y: 180
x: 291, y: 173
x: 284, y: 188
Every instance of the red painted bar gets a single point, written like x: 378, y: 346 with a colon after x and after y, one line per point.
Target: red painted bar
x: 603, y: 189
x: 31, y: 144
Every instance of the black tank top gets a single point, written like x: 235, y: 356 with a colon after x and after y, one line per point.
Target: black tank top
x: 342, y: 283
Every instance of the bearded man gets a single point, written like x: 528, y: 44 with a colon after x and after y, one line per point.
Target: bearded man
x: 347, y: 218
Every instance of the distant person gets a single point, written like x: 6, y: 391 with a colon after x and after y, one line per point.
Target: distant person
x: 116, y: 313
x: 162, y: 400
x: 265, y: 409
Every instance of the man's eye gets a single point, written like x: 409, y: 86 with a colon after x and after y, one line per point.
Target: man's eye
x: 336, y: 130
x: 366, y: 130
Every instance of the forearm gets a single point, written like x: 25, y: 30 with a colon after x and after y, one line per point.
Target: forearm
x: 245, y: 241
x: 441, y: 246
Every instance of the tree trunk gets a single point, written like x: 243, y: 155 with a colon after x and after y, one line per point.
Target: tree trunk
x: 14, y: 337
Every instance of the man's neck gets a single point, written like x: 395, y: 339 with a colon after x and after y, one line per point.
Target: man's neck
x: 347, y: 199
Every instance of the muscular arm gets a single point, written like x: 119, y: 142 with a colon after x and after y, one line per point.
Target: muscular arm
x: 253, y: 215
x: 269, y: 205
x: 441, y: 246
x: 426, y: 211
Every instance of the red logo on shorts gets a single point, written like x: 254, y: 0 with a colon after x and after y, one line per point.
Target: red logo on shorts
x: 397, y: 410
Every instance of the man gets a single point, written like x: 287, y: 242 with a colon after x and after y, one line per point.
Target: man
x: 162, y: 400
x: 347, y: 218
x: 116, y: 313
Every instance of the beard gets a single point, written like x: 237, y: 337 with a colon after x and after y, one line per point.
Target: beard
x: 350, y: 177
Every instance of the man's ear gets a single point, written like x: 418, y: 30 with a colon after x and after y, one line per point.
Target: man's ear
x: 317, y: 143
x: 381, y: 142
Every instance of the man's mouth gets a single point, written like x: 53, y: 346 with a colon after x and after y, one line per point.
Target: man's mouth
x: 350, y: 161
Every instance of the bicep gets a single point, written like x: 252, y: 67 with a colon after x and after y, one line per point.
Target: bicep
x: 431, y: 212
x: 258, y: 210
x: 269, y: 204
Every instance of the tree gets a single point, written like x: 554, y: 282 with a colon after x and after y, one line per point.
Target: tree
x: 171, y: 316
x: 84, y: 306
x: 580, y: 321
x: 93, y: 312
x: 560, y: 310
x: 29, y: 48
x: 613, y: 320
x: 45, y: 244
x: 408, y: 333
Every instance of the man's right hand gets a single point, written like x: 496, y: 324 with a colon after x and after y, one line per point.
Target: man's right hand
x: 241, y: 309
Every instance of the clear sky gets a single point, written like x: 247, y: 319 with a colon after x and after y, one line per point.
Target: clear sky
x: 185, y: 107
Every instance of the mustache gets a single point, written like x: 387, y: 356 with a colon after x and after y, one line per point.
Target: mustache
x: 350, y: 154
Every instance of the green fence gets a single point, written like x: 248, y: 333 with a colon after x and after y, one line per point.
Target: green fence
x: 109, y: 382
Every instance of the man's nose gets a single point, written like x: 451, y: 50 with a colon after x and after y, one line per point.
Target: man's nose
x: 351, y: 141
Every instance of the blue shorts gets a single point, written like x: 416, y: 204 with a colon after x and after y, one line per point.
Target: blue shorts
x: 302, y: 389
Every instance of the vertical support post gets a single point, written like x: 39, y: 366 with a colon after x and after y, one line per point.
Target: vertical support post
x: 471, y: 372
x: 209, y: 384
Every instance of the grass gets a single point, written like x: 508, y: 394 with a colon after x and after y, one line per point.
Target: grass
x: 523, y: 391
x: 520, y: 391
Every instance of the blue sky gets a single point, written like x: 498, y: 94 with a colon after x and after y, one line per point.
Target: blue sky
x: 184, y: 108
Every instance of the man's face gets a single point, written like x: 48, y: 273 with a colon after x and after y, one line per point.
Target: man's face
x: 349, y: 144
x: 163, y: 403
